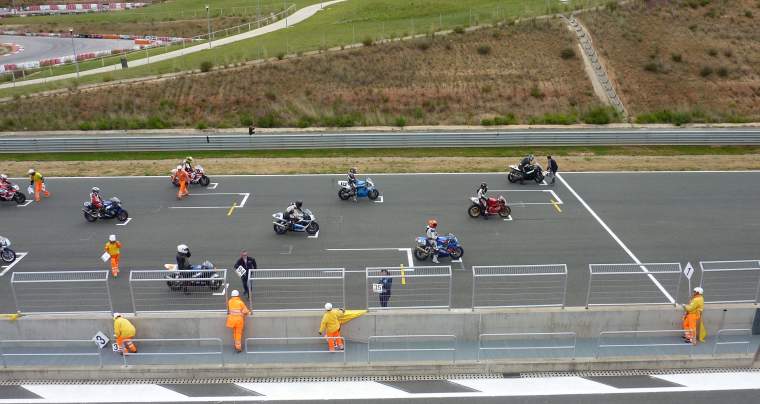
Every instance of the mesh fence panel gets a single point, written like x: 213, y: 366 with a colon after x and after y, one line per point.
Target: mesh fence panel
x: 412, y: 348
x: 415, y: 287
x: 156, y: 291
x: 518, y: 285
x: 50, y: 353
x: 622, y: 284
x: 296, y: 289
x: 730, y: 281
x: 61, y: 291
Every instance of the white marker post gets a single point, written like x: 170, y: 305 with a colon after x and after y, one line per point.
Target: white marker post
x: 688, y: 271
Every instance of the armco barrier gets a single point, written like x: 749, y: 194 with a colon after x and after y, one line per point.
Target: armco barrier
x: 40, y: 352
x: 412, y: 347
x: 25, y: 144
x: 185, y: 350
x: 288, y: 348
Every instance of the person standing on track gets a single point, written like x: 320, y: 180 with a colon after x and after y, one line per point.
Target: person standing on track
x: 247, y: 263
x: 693, y: 328
x: 113, y: 248
x: 37, y: 183
x: 330, y: 326
x: 236, y: 312
x: 183, y: 178
x: 552, y: 168
x: 124, y: 331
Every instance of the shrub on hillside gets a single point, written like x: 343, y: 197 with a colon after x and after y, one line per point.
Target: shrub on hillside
x: 665, y: 116
x: 676, y: 57
x: 206, y: 66
x: 536, y: 92
x: 368, y: 41
x: 458, y: 30
x: 722, y: 71
x: 400, y: 121
x: 484, y: 50
x: 269, y: 120
x: 553, y: 119
x: 598, y: 116
x: 653, y: 67
x: 567, y: 53
x: 706, y: 71
x: 508, y: 119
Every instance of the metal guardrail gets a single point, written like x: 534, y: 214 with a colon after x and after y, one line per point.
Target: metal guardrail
x: 216, y: 342
x: 519, y: 286
x: 523, y: 347
x: 628, y: 345
x: 61, y: 292
x: 426, y: 344
x: 48, y: 351
x: 299, y: 343
x: 741, y: 331
x: 633, y: 284
x: 200, y: 141
x: 731, y: 281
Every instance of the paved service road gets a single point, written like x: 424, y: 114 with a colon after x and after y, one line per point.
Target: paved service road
x: 658, y: 217
x: 39, y: 48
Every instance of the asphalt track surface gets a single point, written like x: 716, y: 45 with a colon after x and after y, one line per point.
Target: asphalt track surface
x: 658, y: 217
x: 40, y: 48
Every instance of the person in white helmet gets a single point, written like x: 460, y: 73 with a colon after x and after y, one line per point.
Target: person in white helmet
x: 183, y: 255
x: 37, y: 184
x: 124, y: 331
x: 693, y: 328
x: 236, y: 312
x: 330, y: 326
x: 113, y: 248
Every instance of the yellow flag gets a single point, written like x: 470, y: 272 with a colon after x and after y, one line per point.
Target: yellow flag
x: 403, y: 276
x: 348, y: 315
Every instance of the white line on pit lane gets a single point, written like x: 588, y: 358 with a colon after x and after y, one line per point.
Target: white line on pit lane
x: 19, y: 257
x: 125, y: 223
x: 25, y: 203
x: 549, y: 191
x: 245, y: 196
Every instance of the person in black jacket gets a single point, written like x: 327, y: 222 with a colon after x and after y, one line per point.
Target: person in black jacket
x: 387, y: 282
x: 247, y: 263
x: 552, y: 167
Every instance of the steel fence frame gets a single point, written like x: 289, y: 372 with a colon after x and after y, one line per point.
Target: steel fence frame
x: 286, y: 339
x: 98, y: 352
x: 517, y: 269
x: 643, y: 271
x: 748, y: 343
x: 520, y: 334
x: 134, y: 278
x: 137, y: 340
x: 704, y: 264
x: 636, y: 332
x: 259, y: 275
x: 403, y: 274
x: 98, y: 276
x: 380, y: 337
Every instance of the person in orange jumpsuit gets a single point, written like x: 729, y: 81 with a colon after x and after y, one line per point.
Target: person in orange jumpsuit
x: 113, y: 248
x: 693, y: 328
x: 331, y: 325
x: 37, y: 181
x: 183, y: 180
x: 236, y: 312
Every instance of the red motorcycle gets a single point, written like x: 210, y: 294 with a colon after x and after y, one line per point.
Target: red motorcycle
x: 12, y: 193
x: 495, y: 206
x: 197, y: 176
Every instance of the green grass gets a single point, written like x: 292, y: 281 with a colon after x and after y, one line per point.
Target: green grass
x: 341, y: 24
x: 410, y: 153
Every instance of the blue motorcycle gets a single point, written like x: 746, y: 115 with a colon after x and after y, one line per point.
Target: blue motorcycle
x: 363, y: 189
x: 448, y: 246
x: 111, y: 209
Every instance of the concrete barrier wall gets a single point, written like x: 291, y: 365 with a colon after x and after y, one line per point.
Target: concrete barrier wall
x: 465, y: 324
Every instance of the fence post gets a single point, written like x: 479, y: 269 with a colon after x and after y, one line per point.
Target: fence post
x: 2, y: 357
x: 474, y: 277
x: 343, y: 275
x: 13, y: 292
x: 108, y: 293
x: 450, y: 282
x: 757, y: 293
x: 588, y: 292
x: 366, y: 287
x: 564, y: 291
x: 132, y: 295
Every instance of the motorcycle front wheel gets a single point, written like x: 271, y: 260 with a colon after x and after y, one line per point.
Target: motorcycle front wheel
x: 204, y: 181
x: 420, y: 255
x: 539, y: 178
x: 505, y: 212
x: 457, y: 253
x: 343, y: 194
x: 373, y: 194
x: 8, y: 255
x: 90, y: 218
x: 174, y: 285
x: 19, y: 198
x: 512, y: 178
x: 312, y: 228
x: 215, y: 285
x: 122, y: 216
x: 474, y: 211
x: 280, y: 229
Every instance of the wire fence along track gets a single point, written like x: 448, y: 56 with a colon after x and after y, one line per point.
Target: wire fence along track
x: 202, y: 141
x: 157, y: 291
x: 411, y: 347
x: 296, y: 289
x: 50, y: 352
x: 533, y: 344
x: 61, y: 292
x: 628, y: 284
x: 519, y: 285
x: 414, y: 287
x: 730, y: 281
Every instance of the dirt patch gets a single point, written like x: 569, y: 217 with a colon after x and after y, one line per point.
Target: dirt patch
x: 382, y: 165
x: 701, y: 57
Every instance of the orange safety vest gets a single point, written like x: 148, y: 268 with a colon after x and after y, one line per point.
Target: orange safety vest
x: 113, y: 248
x: 236, y: 311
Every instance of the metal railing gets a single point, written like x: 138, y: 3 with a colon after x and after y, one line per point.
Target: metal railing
x: 671, y: 340
x: 212, y: 141
x: 411, y: 344
x: 519, y: 286
x: 522, y: 346
x: 626, y: 284
x: 163, y: 291
x: 744, y: 331
x: 413, y: 287
x: 168, y: 351
x: 59, y: 348
x: 296, y: 289
x: 300, y: 345
x: 731, y: 281
x: 58, y: 292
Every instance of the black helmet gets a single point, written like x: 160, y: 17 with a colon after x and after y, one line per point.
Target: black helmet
x: 352, y: 170
x: 299, y: 204
x: 484, y: 185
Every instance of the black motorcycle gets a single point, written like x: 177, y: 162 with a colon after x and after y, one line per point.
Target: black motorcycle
x: 200, y: 277
x: 530, y: 172
x: 6, y: 254
x: 111, y: 209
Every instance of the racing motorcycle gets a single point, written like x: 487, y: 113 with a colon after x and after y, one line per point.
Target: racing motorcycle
x: 201, y: 276
x: 111, y: 209
x: 494, y: 206
x: 307, y: 223
x: 532, y: 172
x: 448, y: 246
x: 6, y: 254
x: 197, y: 176
x: 13, y: 194
x: 363, y: 189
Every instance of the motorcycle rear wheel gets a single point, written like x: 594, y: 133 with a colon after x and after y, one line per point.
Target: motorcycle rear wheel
x: 19, y: 198
x: 505, y: 212
x: 174, y: 285
x: 8, y: 255
x: 420, y: 255
x: 539, y: 178
x: 474, y: 211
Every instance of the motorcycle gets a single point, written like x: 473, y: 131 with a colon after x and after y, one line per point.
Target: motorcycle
x: 494, y: 206
x: 363, y: 189
x: 13, y: 194
x: 201, y: 276
x: 307, y: 223
x: 532, y: 172
x: 448, y: 246
x: 197, y: 176
x: 111, y: 209
x: 6, y: 254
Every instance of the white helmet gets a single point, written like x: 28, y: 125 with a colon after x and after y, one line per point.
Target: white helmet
x: 183, y: 248
x: 235, y: 293
x: 116, y: 315
x: 328, y: 306
x: 112, y: 237
x: 179, y: 167
x: 95, y: 189
x: 699, y: 290
x: 31, y: 171
x: 3, y: 176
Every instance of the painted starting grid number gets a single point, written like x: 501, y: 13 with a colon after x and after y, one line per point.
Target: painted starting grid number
x: 6, y: 268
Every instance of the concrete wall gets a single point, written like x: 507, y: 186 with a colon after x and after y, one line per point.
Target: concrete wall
x: 465, y: 324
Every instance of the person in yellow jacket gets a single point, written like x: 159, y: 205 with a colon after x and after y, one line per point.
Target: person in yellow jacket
x: 331, y: 325
x: 692, y: 319
x: 124, y: 331
x: 113, y: 248
x: 37, y: 181
x: 236, y: 312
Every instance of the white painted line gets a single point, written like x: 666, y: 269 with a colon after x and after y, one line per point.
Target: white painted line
x: 19, y: 257
x: 245, y: 199
x: 509, y: 218
x: 380, y: 199
x: 212, y: 185
x: 556, y: 198
x: 529, y: 190
x: 290, y: 250
x: 365, y: 249
x: 223, y: 291
x: 125, y: 223
x: 616, y: 238
x: 409, y: 258
x: 245, y: 196
x: 28, y: 201
x: 316, y: 235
